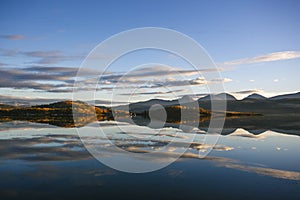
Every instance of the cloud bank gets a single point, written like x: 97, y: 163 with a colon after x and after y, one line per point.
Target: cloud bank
x: 40, y: 57
x: 62, y: 79
x: 49, y: 79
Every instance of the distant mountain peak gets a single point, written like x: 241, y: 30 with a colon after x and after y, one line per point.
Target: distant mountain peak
x: 186, y: 99
x: 255, y: 96
x: 220, y: 96
x: 228, y: 96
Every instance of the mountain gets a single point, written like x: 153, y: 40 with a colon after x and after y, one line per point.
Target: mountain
x: 286, y: 96
x: 145, y: 105
x: 220, y: 96
x: 281, y: 106
x: 256, y: 103
x: 255, y: 97
x: 186, y: 99
x: 63, y: 114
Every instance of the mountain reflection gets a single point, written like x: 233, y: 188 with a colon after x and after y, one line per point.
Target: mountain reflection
x: 254, y: 124
x: 65, y: 147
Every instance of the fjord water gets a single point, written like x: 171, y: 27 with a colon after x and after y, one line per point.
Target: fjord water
x: 43, y: 161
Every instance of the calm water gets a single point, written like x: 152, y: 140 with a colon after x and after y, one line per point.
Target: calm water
x: 41, y: 161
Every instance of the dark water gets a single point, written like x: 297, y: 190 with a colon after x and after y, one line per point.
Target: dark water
x: 44, y: 162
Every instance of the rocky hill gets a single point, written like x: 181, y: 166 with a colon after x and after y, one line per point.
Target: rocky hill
x: 65, y: 113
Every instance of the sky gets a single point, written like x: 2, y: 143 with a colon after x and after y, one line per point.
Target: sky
x: 255, y: 45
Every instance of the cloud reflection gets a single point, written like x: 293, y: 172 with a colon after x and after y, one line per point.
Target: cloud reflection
x: 68, y: 147
x: 44, y: 148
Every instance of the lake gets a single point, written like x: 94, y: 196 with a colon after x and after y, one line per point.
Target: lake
x: 40, y: 161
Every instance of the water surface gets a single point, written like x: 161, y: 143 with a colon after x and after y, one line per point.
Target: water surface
x: 43, y: 161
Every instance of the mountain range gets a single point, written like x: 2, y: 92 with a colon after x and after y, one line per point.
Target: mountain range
x: 252, y: 113
x: 282, y: 104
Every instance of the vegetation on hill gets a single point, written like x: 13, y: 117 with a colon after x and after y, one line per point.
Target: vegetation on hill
x: 65, y: 113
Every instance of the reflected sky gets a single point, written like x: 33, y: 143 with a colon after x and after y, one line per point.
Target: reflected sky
x: 39, y: 161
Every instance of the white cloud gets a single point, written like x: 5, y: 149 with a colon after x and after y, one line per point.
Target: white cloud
x: 198, y: 81
x: 220, y: 80
x: 276, y: 56
x: 248, y: 91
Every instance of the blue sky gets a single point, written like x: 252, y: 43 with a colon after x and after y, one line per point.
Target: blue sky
x: 256, y: 43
